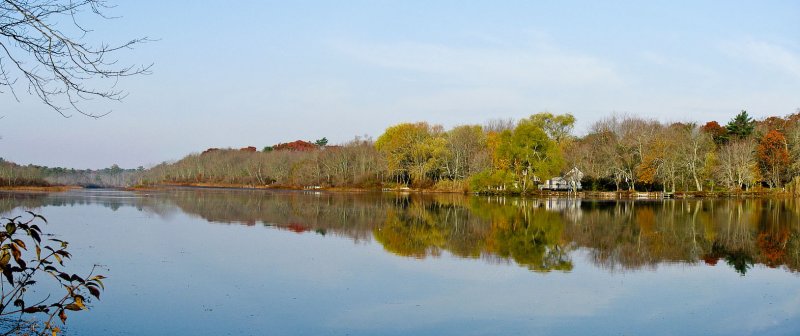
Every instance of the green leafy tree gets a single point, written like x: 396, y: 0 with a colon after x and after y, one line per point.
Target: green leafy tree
x: 414, y: 152
x: 532, y: 155
x: 491, y: 181
x: 557, y: 127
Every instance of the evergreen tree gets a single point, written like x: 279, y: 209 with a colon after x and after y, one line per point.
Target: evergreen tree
x: 321, y: 142
x: 741, y: 126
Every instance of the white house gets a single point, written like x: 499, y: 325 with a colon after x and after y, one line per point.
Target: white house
x: 571, y: 181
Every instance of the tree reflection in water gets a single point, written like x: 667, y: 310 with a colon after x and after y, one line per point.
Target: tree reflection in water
x: 540, y: 234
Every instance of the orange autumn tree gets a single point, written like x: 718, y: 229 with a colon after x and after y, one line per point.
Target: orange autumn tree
x: 773, y: 157
x: 717, y: 132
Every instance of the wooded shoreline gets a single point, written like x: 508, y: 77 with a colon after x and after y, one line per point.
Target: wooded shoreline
x: 620, y: 157
x: 585, y: 195
x: 764, y: 193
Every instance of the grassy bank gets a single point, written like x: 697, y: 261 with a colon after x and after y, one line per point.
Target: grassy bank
x: 39, y: 188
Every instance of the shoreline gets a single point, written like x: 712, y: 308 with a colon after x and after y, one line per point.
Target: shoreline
x: 589, y: 195
x: 624, y: 195
x: 39, y: 188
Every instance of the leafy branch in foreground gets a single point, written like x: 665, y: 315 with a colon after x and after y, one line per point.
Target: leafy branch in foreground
x: 24, y: 259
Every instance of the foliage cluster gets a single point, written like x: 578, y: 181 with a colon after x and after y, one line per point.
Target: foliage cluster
x: 25, y: 259
x: 639, y: 154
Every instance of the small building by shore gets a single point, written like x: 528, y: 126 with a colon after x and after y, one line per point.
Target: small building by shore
x: 571, y: 181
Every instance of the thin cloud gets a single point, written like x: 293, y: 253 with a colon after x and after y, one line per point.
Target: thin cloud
x: 692, y: 69
x: 539, y: 65
x: 765, y: 54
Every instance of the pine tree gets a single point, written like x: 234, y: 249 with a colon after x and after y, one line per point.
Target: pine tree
x: 741, y: 126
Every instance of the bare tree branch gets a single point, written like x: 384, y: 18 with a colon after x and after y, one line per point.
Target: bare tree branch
x: 55, y: 64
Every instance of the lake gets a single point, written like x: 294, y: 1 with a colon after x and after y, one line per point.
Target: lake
x: 239, y: 262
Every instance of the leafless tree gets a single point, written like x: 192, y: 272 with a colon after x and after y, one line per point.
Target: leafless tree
x: 499, y: 125
x: 56, y: 60
x: 738, y: 164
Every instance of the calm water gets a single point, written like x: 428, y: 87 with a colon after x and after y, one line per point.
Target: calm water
x: 213, y: 262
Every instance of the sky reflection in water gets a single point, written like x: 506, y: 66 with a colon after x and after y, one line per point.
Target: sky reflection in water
x: 348, y: 264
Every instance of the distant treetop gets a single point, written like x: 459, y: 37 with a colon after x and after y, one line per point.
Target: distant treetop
x: 321, y: 142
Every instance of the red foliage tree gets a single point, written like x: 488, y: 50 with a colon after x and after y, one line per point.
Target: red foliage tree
x: 773, y: 157
x: 298, y: 145
x: 718, y: 132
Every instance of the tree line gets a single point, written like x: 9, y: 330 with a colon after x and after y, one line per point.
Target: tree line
x: 502, y: 156
x: 640, y: 154
x: 619, y: 153
x: 16, y: 175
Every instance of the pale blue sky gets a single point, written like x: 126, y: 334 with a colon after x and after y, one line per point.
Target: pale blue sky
x: 262, y: 72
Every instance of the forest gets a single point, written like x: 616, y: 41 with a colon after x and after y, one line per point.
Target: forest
x: 618, y: 153
x: 503, y: 156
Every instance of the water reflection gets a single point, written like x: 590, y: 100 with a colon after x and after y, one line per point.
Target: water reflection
x: 537, y: 234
